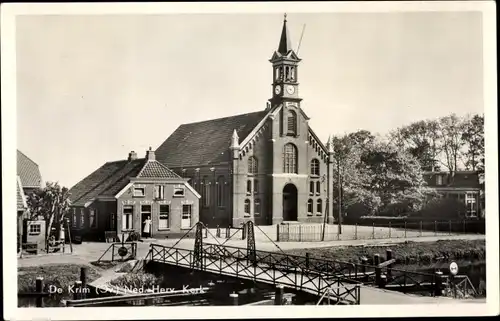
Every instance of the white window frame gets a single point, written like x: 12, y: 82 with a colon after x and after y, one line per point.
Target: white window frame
x: 181, y: 189
x: 470, y: 198
x: 136, y: 189
x: 75, y: 219
x: 125, y: 218
x: 31, y: 232
x: 186, y: 216
x: 160, y: 192
x: 82, y: 217
x: 161, y: 218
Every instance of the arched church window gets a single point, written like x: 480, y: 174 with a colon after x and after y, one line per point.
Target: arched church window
x: 247, y: 207
x: 319, y: 206
x: 220, y: 191
x: 318, y: 187
x: 315, y: 167
x: 292, y: 73
x: 205, y: 191
x: 281, y: 73
x: 291, y: 122
x: 310, y: 206
x: 290, y: 158
x: 252, y: 165
x: 249, y: 187
x: 277, y: 73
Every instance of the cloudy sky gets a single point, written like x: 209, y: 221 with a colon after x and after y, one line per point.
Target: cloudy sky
x: 92, y: 88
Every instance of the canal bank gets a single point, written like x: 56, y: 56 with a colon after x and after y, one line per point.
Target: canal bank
x: 426, y: 257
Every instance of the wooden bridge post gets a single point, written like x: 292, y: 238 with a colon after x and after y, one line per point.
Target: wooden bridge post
x: 356, y: 231
x: 421, y: 228
x: 279, y: 293
x: 39, y: 290
x: 77, y: 289
x: 234, y: 298
x: 83, y: 279
x: 405, y: 229
x: 376, y: 262
x: 277, y: 232
x: 450, y: 226
x: 435, y: 228
x: 307, y: 260
x: 364, y: 262
x: 438, y: 283
x: 373, y: 231
x: 388, y: 258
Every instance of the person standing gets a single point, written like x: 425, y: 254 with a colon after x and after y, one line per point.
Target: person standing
x: 147, y: 227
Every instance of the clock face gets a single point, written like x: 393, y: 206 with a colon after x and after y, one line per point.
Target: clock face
x: 290, y: 89
x: 277, y: 90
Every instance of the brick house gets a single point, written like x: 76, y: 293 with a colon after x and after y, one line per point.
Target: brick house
x: 28, y: 180
x: 266, y: 166
x: 120, y: 195
x: 463, y: 186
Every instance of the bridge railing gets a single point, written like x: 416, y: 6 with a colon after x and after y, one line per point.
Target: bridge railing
x: 300, y: 271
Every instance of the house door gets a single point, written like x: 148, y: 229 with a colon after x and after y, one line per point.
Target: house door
x: 290, y: 203
x: 186, y: 216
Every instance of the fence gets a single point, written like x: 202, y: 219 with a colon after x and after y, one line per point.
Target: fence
x: 389, y: 230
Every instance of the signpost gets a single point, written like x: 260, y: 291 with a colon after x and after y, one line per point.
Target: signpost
x: 453, y: 268
x: 453, y: 272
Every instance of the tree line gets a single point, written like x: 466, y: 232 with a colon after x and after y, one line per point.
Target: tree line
x: 383, y: 174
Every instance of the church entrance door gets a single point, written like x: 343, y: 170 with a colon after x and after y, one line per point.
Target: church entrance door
x: 290, y: 203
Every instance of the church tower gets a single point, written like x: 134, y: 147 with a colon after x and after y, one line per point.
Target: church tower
x: 285, y: 77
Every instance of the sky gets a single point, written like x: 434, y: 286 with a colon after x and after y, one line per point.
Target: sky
x: 92, y: 88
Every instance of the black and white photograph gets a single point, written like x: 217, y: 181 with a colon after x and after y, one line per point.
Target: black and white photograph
x: 340, y: 156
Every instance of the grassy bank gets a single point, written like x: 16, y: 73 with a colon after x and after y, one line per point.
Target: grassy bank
x: 60, y: 276
x: 421, y: 253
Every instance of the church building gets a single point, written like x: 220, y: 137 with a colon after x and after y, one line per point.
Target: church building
x: 266, y: 166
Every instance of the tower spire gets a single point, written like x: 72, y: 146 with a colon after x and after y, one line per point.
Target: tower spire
x: 285, y: 42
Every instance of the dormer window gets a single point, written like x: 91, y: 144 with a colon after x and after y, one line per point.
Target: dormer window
x: 179, y: 191
x: 139, y: 192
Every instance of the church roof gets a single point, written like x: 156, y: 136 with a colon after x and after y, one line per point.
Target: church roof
x: 206, y: 142
x: 111, y: 177
x: 28, y: 171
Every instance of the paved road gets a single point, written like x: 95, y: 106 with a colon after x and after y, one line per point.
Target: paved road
x: 91, y: 251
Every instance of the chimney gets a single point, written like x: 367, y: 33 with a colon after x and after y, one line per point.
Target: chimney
x: 150, y: 154
x: 132, y: 156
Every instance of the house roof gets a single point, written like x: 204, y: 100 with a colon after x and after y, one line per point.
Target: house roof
x: 28, y: 171
x: 21, y: 198
x: 111, y: 177
x: 461, y: 179
x: 206, y: 142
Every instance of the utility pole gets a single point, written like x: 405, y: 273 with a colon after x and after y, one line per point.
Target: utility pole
x: 340, y: 197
